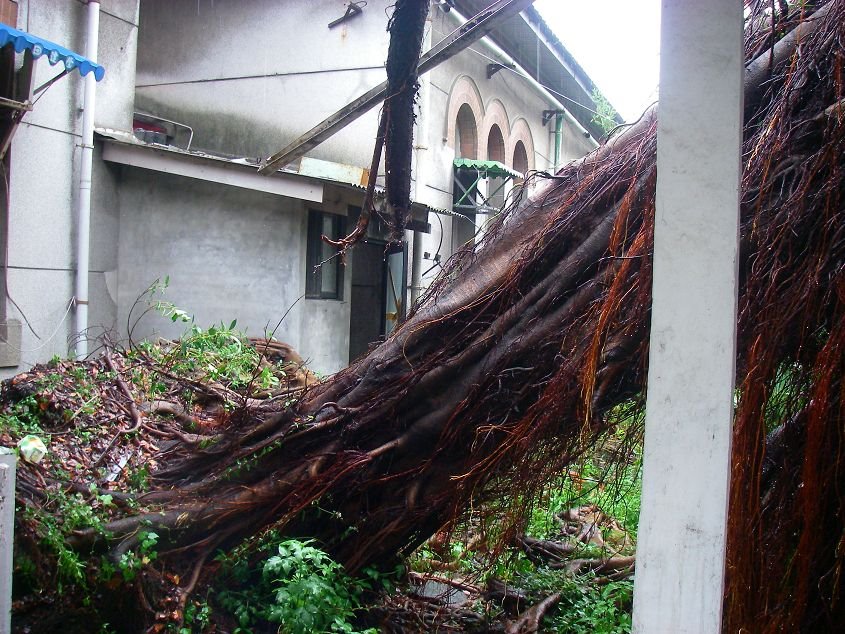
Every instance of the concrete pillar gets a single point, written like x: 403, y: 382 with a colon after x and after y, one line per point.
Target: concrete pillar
x: 7, y: 524
x: 689, y: 410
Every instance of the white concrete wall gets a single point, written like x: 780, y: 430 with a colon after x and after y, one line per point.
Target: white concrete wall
x: 284, y: 71
x: 118, y: 50
x: 43, y: 162
x: 692, y: 354
x: 248, y: 77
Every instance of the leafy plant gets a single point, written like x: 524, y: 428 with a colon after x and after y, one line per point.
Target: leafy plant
x: 61, y: 515
x: 788, y: 394
x: 24, y: 417
x: 584, y: 608
x: 605, y: 116
x: 219, y: 353
x: 197, y: 617
x: 300, y: 588
x: 130, y: 563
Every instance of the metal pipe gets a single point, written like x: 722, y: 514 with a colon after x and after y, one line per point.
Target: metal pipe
x: 416, y: 267
x: 84, y: 201
x: 558, y: 134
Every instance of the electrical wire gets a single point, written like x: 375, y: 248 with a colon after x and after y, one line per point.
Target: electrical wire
x: 70, y: 305
x: 6, y: 252
x: 551, y: 90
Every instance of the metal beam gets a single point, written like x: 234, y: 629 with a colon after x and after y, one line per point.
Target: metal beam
x: 212, y: 170
x: 475, y: 29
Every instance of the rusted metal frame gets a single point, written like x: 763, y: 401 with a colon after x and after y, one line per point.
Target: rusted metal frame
x: 352, y: 9
x: 15, y: 105
x: 476, y: 28
x: 23, y: 89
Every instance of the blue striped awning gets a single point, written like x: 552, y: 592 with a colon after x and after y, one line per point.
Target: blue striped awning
x: 55, y: 53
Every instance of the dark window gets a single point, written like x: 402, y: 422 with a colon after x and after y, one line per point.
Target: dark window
x: 324, y: 274
x: 496, y: 152
x: 466, y: 141
x: 520, y: 159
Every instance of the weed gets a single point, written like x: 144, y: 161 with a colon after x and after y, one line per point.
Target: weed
x: 300, y: 588
x: 24, y: 417
x: 61, y: 515
x: 584, y: 608
x: 139, y: 479
x: 131, y: 562
x: 197, y: 617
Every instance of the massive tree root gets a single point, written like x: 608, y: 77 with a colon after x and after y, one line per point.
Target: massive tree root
x: 515, y: 359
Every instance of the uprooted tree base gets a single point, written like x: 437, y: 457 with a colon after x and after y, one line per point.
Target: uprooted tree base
x: 93, y: 472
x: 513, y: 360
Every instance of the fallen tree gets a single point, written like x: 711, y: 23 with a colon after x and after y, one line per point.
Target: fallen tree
x: 522, y: 352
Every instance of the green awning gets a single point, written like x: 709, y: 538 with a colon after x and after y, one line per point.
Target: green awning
x: 488, y: 168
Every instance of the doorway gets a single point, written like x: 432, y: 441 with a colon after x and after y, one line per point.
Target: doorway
x: 377, y: 298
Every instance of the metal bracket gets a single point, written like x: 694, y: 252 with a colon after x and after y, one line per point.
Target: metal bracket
x: 548, y: 114
x: 50, y: 82
x: 352, y: 9
x: 492, y: 69
x: 15, y: 105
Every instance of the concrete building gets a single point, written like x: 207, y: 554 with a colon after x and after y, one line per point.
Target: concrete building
x: 194, y: 94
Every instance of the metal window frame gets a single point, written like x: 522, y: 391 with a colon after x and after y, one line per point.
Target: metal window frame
x: 313, y: 256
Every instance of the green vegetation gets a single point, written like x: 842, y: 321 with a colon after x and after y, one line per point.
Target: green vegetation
x: 61, y: 515
x: 287, y: 584
x: 606, y: 486
x: 216, y: 354
x: 131, y: 562
x: 300, y: 588
x: 584, y: 608
x: 605, y: 115
x: 614, y: 488
x: 24, y: 417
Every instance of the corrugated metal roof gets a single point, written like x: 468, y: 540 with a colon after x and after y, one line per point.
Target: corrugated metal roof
x: 127, y: 138
x: 55, y: 53
x: 493, y: 168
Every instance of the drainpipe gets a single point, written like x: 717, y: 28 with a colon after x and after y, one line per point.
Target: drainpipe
x: 85, y: 168
x: 558, y: 133
x: 416, y: 267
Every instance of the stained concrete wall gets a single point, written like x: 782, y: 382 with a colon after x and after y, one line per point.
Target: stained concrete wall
x: 229, y: 253
x: 284, y: 70
x: 43, y: 174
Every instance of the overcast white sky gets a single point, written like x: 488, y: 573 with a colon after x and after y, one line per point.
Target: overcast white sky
x: 617, y: 42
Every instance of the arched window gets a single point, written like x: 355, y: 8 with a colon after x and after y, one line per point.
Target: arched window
x: 496, y: 152
x: 495, y: 145
x: 520, y: 158
x: 466, y: 134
